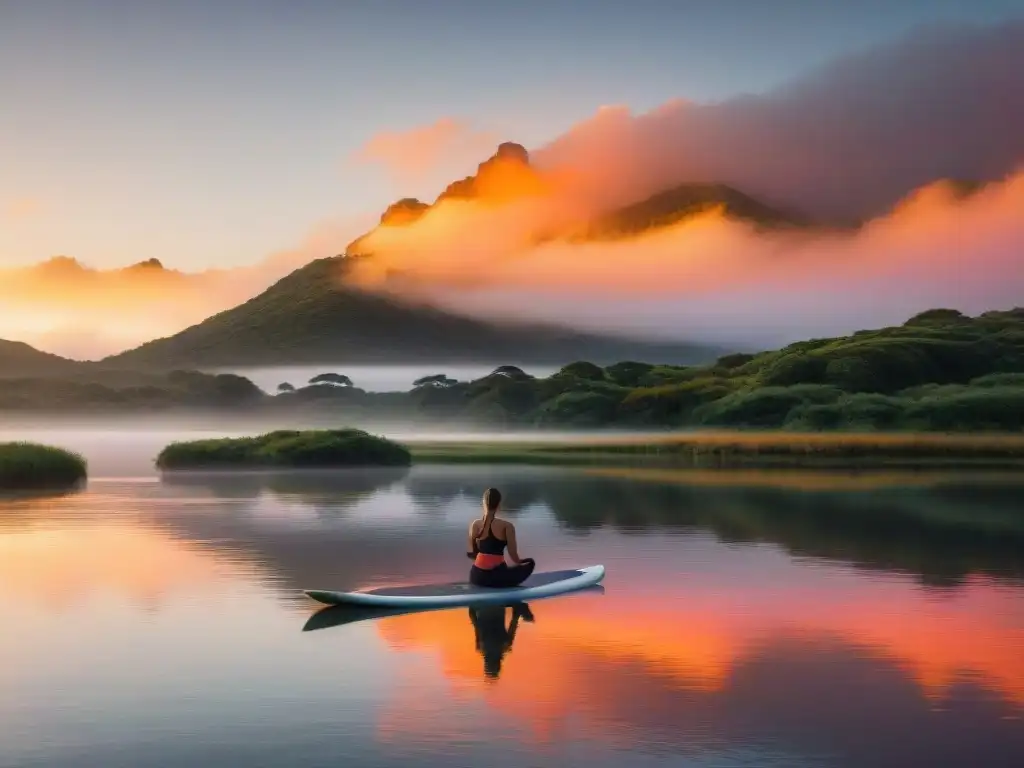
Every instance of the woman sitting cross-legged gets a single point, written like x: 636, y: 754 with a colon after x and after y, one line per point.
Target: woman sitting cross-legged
x: 488, y: 537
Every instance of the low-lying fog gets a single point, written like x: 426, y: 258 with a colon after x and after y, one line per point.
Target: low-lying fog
x: 127, y: 446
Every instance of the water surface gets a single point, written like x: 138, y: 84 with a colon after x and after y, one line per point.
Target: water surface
x: 746, y: 619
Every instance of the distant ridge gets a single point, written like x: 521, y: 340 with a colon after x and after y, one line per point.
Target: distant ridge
x: 18, y: 359
x: 679, y: 203
x: 311, y: 317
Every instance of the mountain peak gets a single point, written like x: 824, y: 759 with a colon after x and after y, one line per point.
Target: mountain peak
x: 509, y: 150
x: 505, y: 174
x: 149, y: 264
x: 404, y: 211
x: 61, y: 264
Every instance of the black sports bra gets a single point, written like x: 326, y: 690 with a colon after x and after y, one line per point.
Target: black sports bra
x: 491, y: 544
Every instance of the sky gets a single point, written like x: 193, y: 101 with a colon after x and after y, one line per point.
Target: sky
x: 209, y: 135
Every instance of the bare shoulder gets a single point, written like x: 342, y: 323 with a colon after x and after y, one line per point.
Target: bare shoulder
x: 506, y: 526
x: 474, y: 525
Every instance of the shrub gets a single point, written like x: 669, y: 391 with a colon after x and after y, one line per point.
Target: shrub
x: 986, y: 408
x: 765, y: 407
x: 999, y: 380
x: 578, y: 409
x: 286, y: 448
x: 671, y: 404
x: 628, y: 373
x: 794, y: 368
x: 30, y: 466
x: 853, y: 412
x: 583, y: 370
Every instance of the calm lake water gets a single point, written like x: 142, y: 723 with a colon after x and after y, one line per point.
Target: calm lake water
x: 746, y: 618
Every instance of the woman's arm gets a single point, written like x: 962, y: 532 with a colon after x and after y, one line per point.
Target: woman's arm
x: 471, y: 549
x: 513, y: 547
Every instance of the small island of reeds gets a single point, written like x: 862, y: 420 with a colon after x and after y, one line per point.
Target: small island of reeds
x: 308, y: 449
x: 34, y: 467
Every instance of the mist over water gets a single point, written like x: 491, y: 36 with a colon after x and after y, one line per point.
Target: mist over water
x: 128, y: 446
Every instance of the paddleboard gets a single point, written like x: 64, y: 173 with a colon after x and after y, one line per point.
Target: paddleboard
x: 341, y: 615
x: 539, y: 585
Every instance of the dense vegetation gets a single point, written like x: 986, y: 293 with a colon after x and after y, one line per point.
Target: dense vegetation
x: 287, y: 448
x: 939, y: 371
x: 30, y: 467
x: 111, y: 392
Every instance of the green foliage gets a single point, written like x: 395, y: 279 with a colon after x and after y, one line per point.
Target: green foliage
x: 672, y: 374
x: 736, y: 360
x: 939, y: 371
x: 435, y: 380
x: 286, y: 448
x: 793, y: 368
x: 18, y: 359
x: 509, y: 399
x: 577, y: 409
x: 510, y: 372
x: 628, y: 373
x: 583, y: 370
x: 938, y: 317
x: 987, y: 408
x: 999, y: 380
x: 32, y: 467
x: 336, y: 379
x: 853, y: 413
x: 765, y: 407
x: 670, y: 404
x: 317, y: 316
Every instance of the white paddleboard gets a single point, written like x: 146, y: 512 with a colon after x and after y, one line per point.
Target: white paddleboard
x: 546, y: 584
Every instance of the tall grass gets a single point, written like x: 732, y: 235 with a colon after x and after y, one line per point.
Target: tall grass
x: 739, y: 448
x: 31, y: 466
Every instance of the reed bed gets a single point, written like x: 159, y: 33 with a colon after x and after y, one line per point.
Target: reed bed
x: 741, y: 448
x: 31, y: 466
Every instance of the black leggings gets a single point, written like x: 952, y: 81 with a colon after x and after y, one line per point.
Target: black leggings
x: 503, y: 576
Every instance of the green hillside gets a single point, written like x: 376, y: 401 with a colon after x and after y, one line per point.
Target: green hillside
x: 19, y: 359
x: 311, y: 317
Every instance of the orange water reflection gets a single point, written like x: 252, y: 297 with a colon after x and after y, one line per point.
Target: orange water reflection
x: 63, y: 567
x: 569, y: 662
x: 59, y: 551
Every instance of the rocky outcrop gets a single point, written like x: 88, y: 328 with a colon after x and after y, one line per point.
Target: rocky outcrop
x: 404, y: 211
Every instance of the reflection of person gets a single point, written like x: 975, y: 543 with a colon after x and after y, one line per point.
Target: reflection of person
x: 488, y: 536
x: 493, y: 640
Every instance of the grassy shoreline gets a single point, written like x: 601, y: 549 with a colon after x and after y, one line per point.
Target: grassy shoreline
x: 726, y: 449
x: 865, y: 451
x: 33, y: 467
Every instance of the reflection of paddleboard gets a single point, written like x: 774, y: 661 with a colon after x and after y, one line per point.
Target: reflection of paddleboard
x: 339, y: 615
x: 539, y: 585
